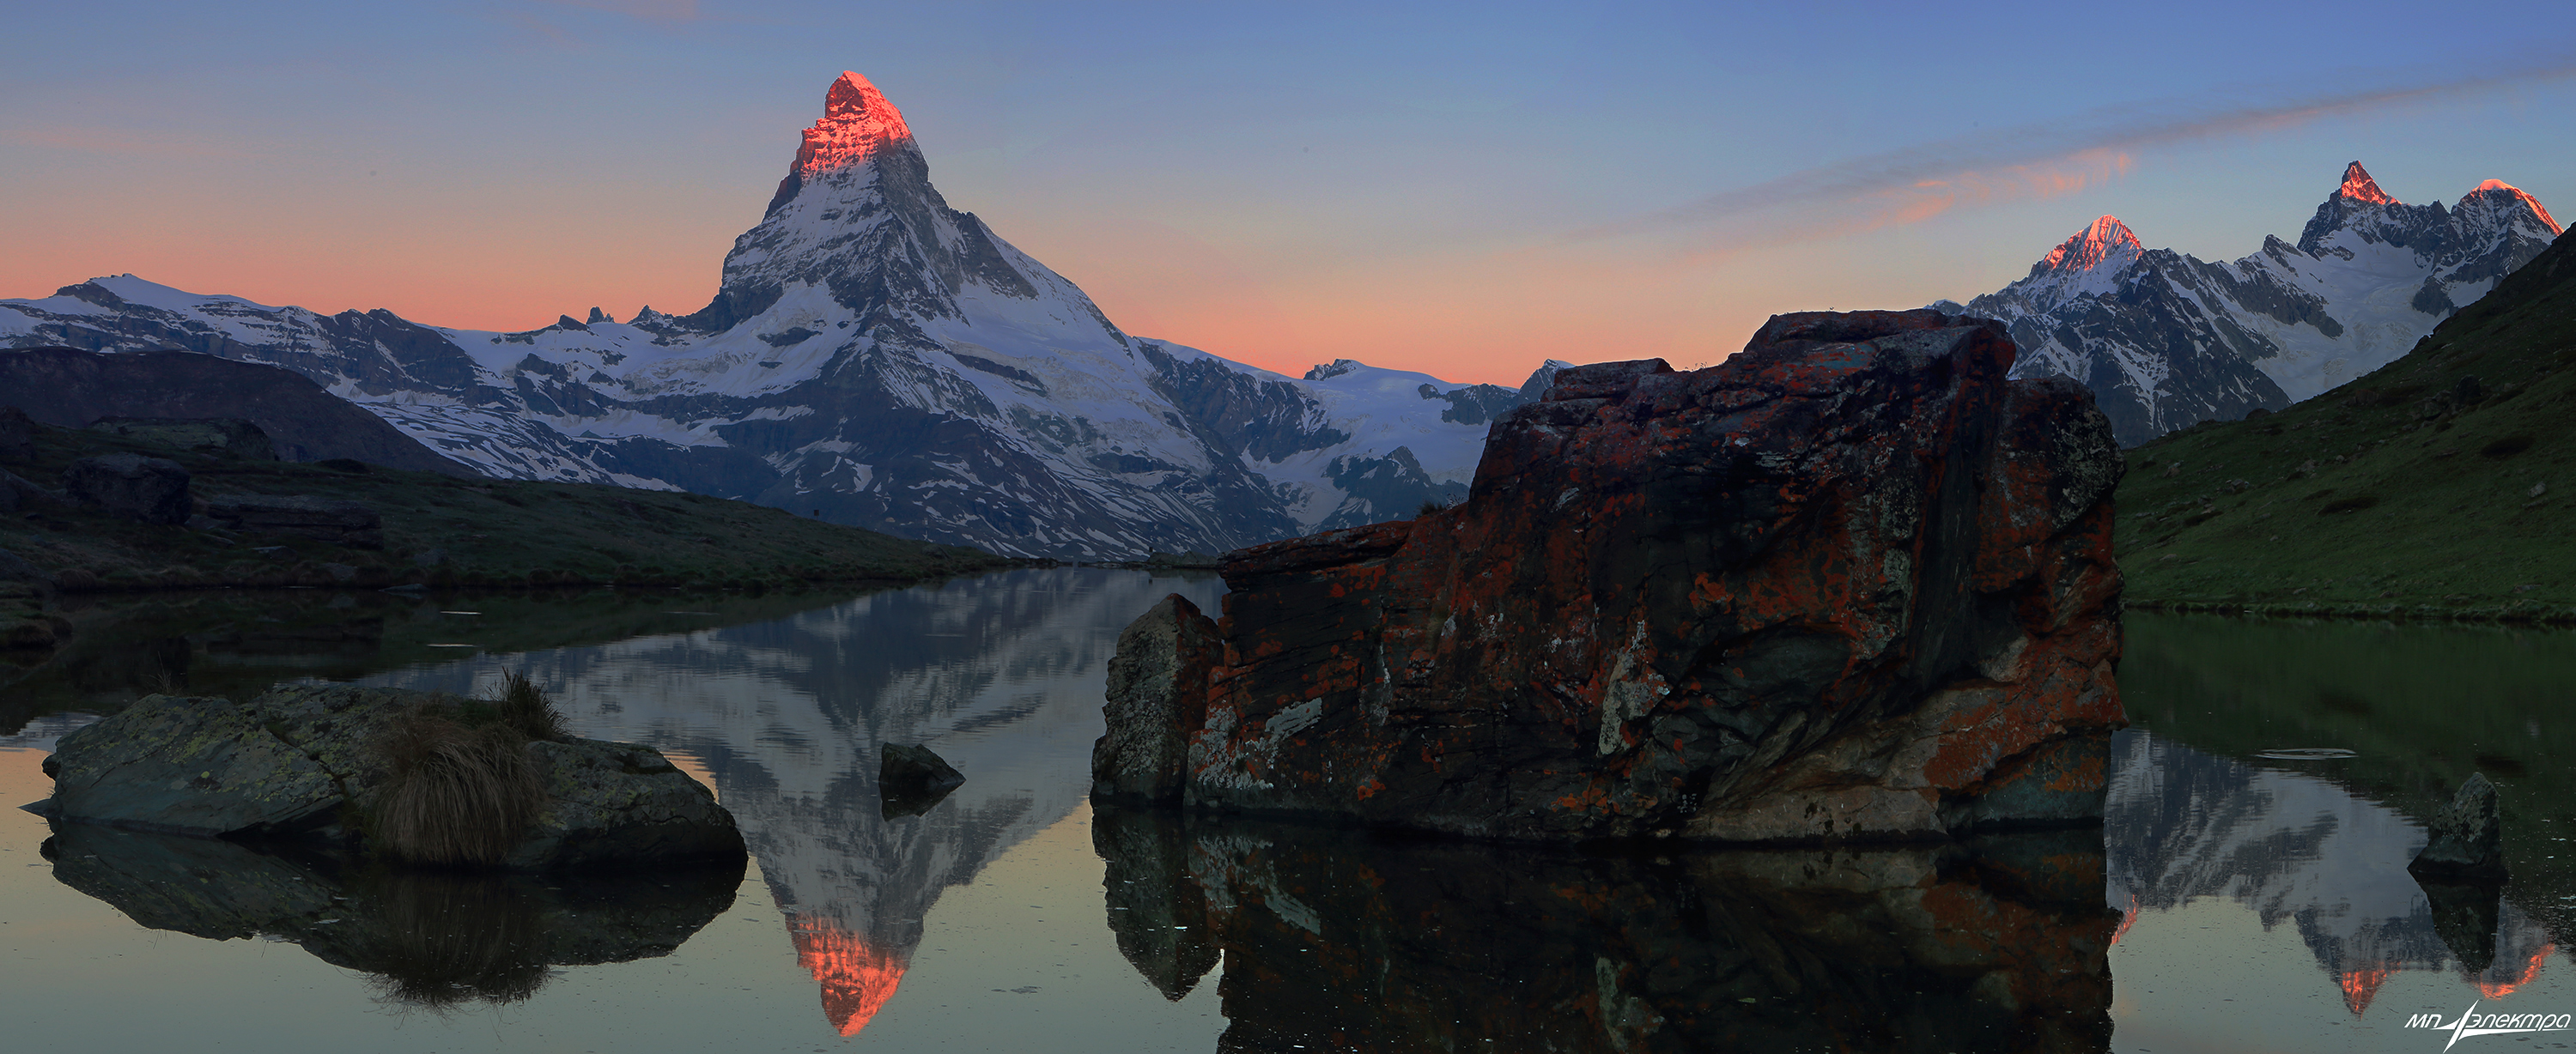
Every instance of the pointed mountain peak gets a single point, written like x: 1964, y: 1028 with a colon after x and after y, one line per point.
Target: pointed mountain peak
x: 2107, y: 237
x: 2358, y: 186
x: 2518, y: 194
x: 857, y: 122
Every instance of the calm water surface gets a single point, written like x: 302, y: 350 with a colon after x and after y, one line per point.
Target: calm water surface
x: 2232, y: 901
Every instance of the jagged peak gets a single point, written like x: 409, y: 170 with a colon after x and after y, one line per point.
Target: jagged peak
x: 2358, y: 186
x: 2092, y: 245
x: 857, y: 122
x: 2518, y: 193
x: 1332, y: 369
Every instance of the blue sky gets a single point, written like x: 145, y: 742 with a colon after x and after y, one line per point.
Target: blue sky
x: 1464, y: 189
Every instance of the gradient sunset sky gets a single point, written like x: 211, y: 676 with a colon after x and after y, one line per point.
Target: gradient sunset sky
x: 1459, y: 189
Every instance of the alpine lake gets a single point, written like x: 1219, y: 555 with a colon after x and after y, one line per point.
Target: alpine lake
x: 2247, y: 891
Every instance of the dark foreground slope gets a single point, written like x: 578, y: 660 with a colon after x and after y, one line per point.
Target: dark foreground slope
x: 71, y: 387
x: 441, y: 530
x: 2436, y: 486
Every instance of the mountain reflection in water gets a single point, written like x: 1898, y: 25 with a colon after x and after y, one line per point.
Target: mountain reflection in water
x: 2292, y: 847
x: 2250, y: 903
x: 1000, y: 675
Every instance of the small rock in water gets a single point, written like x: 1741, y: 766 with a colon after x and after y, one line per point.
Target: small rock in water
x: 911, y: 779
x: 2467, y: 837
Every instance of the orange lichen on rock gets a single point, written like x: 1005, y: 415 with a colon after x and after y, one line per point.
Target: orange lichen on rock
x: 1851, y: 583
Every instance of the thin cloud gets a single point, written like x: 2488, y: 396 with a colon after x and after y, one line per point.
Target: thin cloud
x: 2016, y: 164
x: 649, y: 10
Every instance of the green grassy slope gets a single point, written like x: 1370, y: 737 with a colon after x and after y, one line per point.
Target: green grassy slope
x: 490, y: 532
x: 2399, y: 493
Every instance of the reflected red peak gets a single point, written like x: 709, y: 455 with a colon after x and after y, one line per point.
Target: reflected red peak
x: 2358, y: 186
x: 856, y: 979
x: 2090, y: 246
x: 2362, y: 985
x: 857, y: 122
x: 2494, y: 988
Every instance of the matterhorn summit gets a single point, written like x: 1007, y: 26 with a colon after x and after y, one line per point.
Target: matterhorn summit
x: 2167, y: 340
x: 875, y: 357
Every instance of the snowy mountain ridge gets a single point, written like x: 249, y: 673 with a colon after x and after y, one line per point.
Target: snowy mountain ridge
x: 2167, y: 340
x: 873, y: 356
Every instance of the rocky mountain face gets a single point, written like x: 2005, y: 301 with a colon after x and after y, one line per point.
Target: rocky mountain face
x: 1849, y: 584
x: 875, y: 357
x: 2167, y: 340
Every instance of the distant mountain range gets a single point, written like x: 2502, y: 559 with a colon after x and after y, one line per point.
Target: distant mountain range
x: 875, y: 357
x: 2167, y: 340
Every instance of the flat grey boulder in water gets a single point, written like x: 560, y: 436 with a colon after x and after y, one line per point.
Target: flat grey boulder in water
x: 2467, y: 837
x: 303, y: 761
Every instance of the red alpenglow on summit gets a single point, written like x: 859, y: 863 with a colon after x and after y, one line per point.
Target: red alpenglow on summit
x: 857, y: 121
x: 2087, y: 249
x: 2358, y: 186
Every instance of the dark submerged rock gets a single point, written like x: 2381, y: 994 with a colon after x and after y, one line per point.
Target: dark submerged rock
x: 2467, y: 837
x: 1850, y: 584
x: 911, y: 779
x: 301, y: 764
x: 144, y: 489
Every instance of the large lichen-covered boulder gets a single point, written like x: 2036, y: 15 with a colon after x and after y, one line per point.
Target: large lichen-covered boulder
x: 144, y: 489
x: 304, y: 761
x: 1151, y: 709
x: 1852, y: 583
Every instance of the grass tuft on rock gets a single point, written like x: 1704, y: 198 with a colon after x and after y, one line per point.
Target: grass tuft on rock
x: 455, y: 794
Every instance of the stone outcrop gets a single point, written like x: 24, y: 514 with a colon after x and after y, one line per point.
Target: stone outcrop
x: 143, y: 489
x: 301, y: 763
x: 206, y: 435
x: 334, y: 520
x: 1849, y: 584
x: 2466, y: 838
x: 911, y: 778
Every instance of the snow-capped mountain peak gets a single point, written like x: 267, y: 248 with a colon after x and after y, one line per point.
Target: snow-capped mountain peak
x: 2358, y: 186
x: 2497, y: 203
x: 2167, y: 340
x: 2106, y: 241
x: 857, y: 121
x: 875, y: 357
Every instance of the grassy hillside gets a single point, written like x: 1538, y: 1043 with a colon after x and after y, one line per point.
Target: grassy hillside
x: 2437, y: 486
x: 442, y: 531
